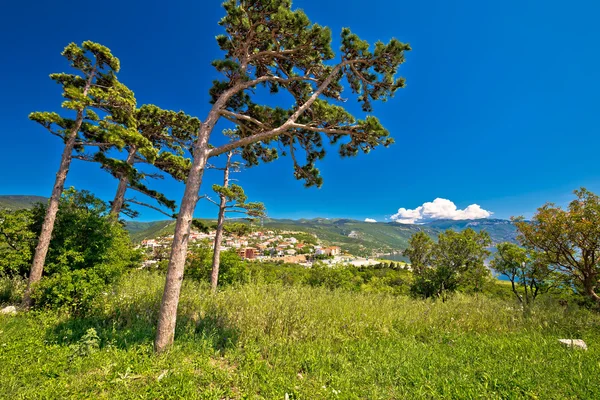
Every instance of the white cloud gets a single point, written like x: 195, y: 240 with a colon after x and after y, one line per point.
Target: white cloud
x: 438, y: 209
x: 370, y: 220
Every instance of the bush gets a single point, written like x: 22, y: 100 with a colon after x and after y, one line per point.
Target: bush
x: 231, y: 267
x: 89, y: 250
x: 17, y: 242
x: 12, y: 289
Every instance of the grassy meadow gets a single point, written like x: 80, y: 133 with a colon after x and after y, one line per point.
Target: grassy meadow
x: 268, y: 340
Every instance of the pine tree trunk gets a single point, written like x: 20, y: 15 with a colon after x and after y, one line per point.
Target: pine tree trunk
x: 41, y: 250
x: 167, y: 317
x: 214, y: 276
x: 39, y: 258
x: 119, y: 200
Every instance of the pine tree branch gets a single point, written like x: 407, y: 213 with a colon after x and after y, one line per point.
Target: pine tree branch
x: 241, y: 117
x: 134, y: 201
x: 286, y: 125
x: 211, y: 200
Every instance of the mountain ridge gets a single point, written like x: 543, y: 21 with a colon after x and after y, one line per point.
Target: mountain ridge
x: 355, y: 236
x: 20, y: 201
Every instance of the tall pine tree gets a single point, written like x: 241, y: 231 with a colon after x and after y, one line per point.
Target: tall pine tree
x: 266, y: 43
x: 163, y: 139
x: 92, y: 87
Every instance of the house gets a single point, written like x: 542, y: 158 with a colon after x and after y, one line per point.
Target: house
x: 248, y: 253
x: 290, y: 252
x: 335, y: 250
x: 150, y: 243
x: 328, y: 251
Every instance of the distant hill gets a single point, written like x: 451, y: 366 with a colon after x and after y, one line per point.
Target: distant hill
x: 147, y: 230
x: 357, y: 237
x: 18, y: 202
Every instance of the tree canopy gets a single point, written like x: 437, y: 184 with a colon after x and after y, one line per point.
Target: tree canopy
x: 456, y: 260
x: 528, y: 272
x: 268, y: 44
x: 569, y: 239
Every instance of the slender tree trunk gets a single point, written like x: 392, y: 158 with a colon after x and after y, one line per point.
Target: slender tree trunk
x: 165, y: 331
x: 514, y: 289
x: 37, y: 266
x: 589, y: 283
x: 119, y: 200
x: 214, y: 276
x: 39, y: 258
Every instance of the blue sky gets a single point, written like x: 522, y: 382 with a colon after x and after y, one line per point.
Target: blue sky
x: 501, y: 107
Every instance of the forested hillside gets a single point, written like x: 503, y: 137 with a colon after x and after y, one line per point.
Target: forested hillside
x: 18, y: 202
x: 357, y: 237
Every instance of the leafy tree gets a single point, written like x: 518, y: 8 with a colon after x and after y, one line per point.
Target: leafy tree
x: 232, y: 268
x: 419, y: 251
x: 456, y: 260
x: 268, y: 44
x: 89, y: 250
x: 232, y: 200
x: 569, y: 239
x: 527, y: 271
x: 459, y: 258
x: 94, y: 86
x: 17, y: 242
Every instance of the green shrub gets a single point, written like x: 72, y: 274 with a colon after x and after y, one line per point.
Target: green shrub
x: 231, y: 267
x: 17, y: 242
x: 12, y: 289
x: 88, y: 251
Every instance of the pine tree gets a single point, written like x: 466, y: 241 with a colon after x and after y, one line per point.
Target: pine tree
x: 232, y: 200
x: 266, y: 43
x: 93, y: 87
x: 162, y: 140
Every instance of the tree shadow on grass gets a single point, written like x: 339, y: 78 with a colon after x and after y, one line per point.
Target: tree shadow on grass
x: 125, y: 331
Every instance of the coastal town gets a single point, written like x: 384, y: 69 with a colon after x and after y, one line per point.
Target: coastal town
x: 285, y: 246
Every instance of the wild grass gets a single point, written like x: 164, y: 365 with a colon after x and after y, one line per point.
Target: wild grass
x: 266, y: 341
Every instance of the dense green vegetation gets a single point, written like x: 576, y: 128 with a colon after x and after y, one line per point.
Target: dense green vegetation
x: 88, y: 251
x: 455, y: 261
x: 91, y: 305
x: 266, y: 340
x: 275, y: 329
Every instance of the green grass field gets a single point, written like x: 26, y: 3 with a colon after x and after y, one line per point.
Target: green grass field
x: 266, y: 341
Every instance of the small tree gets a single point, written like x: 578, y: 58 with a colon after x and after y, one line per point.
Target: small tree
x: 267, y: 44
x: 162, y: 141
x: 94, y: 86
x: 89, y: 250
x: 456, y: 260
x: 232, y: 200
x: 569, y: 239
x: 526, y: 271
x: 419, y: 251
